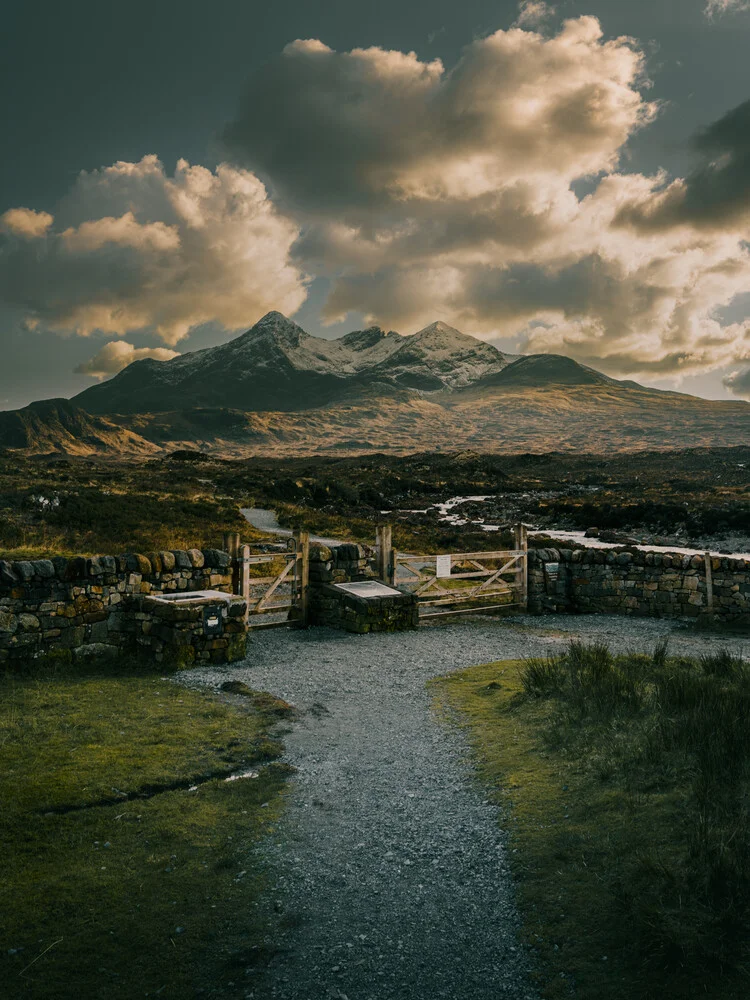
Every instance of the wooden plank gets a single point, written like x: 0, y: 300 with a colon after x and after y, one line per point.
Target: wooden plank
x: 709, y: 583
x: 279, y: 580
x: 303, y: 551
x: 287, y: 623
x: 467, y: 611
x: 452, y: 600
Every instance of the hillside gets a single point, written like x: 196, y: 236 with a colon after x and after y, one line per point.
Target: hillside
x: 277, y: 366
x: 275, y: 390
x: 59, y: 425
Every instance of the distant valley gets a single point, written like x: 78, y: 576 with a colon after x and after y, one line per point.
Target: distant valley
x: 276, y: 390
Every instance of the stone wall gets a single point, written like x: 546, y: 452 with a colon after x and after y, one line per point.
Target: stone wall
x: 327, y: 605
x: 175, y: 632
x: 630, y: 581
x: 342, y: 564
x: 85, y: 603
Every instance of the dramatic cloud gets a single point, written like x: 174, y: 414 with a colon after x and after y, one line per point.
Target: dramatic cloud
x: 118, y: 354
x: 714, y: 8
x: 738, y: 382
x: 533, y: 12
x: 133, y: 248
x: 25, y: 222
x: 372, y: 129
x: 423, y: 192
x: 716, y: 195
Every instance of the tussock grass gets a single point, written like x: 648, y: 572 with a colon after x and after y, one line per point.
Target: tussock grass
x: 118, y: 881
x: 626, y: 780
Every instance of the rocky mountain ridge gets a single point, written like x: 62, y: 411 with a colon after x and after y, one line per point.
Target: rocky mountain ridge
x: 275, y: 365
x: 277, y: 390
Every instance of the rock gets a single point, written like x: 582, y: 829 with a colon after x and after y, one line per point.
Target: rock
x: 61, y: 566
x: 8, y: 575
x: 93, y: 650
x: 8, y: 622
x: 181, y: 559
x: 43, y: 568
x: 216, y: 559
x: 28, y: 623
x: 196, y: 557
x: 102, y: 565
x: 157, y: 566
x: 167, y: 561
x: 24, y: 569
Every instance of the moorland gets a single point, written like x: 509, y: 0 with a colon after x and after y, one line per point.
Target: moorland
x: 52, y: 505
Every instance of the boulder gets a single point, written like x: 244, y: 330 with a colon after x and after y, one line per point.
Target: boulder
x: 167, y: 561
x: 181, y: 559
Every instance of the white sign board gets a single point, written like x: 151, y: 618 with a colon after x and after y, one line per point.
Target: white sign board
x: 443, y: 566
x: 368, y: 588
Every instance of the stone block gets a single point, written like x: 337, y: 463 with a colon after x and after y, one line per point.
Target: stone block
x: 8, y: 622
x: 24, y: 570
x: 196, y: 557
x: 181, y: 559
x: 156, y: 562
x: 216, y: 559
x: 43, y: 568
x: 8, y: 576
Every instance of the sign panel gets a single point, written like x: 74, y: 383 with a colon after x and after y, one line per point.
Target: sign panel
x: 213, y: 623
x: 443, y: 566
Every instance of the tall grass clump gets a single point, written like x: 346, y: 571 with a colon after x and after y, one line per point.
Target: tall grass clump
x: 681, y: 728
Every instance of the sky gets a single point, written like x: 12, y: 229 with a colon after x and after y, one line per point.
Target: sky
x: 565, y: 178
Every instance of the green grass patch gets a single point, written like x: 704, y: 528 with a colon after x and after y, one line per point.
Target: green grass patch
x: 118, y: 880
x: 624, y: 784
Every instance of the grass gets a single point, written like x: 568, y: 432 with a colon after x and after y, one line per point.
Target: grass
x: 624, y: 783
x: 118, y: 881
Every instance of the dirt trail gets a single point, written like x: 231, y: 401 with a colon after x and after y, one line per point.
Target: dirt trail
x: 391, y: 870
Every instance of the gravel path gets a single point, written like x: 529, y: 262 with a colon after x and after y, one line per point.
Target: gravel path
x: 391, y: 867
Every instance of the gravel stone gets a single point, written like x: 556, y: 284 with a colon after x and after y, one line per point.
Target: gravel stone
x: 391, y: 870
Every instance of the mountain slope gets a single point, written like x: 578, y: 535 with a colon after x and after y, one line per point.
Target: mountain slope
x: 546, y: 369
x: 59, y: 425
x: 439, y: 357
x: 277, y: 366
x: 277, y: 390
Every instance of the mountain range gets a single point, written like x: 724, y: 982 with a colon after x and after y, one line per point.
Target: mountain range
x: 277, y: 390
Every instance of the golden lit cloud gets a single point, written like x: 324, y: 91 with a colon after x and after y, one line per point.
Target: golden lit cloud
x: 25, y: 222
x: 135, y: 248
x: 118, y: 354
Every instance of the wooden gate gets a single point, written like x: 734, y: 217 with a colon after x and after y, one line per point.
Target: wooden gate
x: 465, y: 582
x: 274, y: 584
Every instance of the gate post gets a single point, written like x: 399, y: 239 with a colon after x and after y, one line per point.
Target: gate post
x: 709, y: 584
x: 386, y: 560
x: 302, y: 540
x: 232, y: 546
x: 521, y: 542
x: 245, y: 575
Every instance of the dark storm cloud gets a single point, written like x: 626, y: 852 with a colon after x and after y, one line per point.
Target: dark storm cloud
x: 738, y: 382
x: 716, y: 195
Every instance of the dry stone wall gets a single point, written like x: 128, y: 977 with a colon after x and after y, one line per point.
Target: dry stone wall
x: 630, y: 581
x: 88, y: 604
x: 327, y: 605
